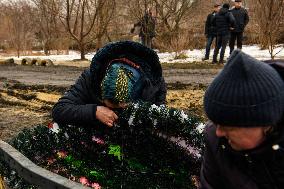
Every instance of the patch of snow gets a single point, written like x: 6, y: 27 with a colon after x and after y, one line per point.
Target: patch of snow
x: 167, y: 57
x: 197, y: 55
x: 73, y: 55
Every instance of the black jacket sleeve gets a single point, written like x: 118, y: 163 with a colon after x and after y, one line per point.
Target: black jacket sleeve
x: 210, y: 174
x: 162, y: 93
x: 78, y: 105
x: 246, y: 18
x: 232, y: 20
x: 207, y: 24
x: 213, y: 21
x: 137, y: 24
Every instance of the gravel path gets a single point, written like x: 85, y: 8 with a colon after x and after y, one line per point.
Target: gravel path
x: 66, y: 75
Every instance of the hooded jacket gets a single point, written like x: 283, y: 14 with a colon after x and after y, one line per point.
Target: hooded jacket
x: 223, y: 21
x: 79, y: 104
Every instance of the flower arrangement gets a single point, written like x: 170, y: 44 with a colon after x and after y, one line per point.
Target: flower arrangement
x: 142, y: 150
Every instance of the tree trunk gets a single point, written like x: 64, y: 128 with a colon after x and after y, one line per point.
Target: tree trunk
x: 82, y: 51
x: 18, y: 53
x: 45, y: 49
x: 99, y: 42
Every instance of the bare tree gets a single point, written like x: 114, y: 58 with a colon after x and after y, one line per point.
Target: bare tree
x: 270, y: 15
x: 171, y: 15
x: 79, y: 18
x: 46, y: 15
x: 105, y: 15
x: 179, y: 44
x: 19, y: 25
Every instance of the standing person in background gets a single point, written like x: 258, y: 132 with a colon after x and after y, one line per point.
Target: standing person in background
x: 242, y: 19
x: 224, y: 21
x: 210, y: 30
x: 147, y: 28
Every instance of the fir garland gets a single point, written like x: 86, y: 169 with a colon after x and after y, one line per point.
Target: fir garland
x: 136, y: 153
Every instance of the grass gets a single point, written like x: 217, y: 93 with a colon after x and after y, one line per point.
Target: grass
x: 191, y: 65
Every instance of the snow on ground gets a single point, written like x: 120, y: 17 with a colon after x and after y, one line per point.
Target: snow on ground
x: 73, y: 55
x: 193, y: 55
x: 197, y: 55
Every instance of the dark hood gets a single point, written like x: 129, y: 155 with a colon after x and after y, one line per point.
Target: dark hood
x: 145, y: 57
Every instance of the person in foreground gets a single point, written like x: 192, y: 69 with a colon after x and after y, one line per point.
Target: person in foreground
x: 119, y: 73
x: 245, y: 136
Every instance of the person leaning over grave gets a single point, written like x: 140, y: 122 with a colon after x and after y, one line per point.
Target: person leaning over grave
x: 119, y: 73
x: 245, y: 135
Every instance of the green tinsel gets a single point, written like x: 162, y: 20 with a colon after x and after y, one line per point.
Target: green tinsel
x: 132, y: 154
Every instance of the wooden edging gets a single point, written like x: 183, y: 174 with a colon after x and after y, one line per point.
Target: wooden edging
x: 33, y: 173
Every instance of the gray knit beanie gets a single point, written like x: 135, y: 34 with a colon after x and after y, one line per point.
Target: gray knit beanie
x: 246, y: 93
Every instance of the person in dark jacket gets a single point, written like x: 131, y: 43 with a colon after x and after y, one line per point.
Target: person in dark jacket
x: 242, y: 19
x: 119, y: 73
x: 147, y: 26
x: 245, y: 135
x: 210, y: 30
x: 224, y: 21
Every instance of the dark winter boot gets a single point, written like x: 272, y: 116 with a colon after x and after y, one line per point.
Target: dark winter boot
x: 205, y: 58
x: 214, y: 60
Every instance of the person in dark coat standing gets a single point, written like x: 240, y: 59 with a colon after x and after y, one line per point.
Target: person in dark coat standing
x: 210, y: 30
x: 119, y: 73
x: 245, y: 136
x: 147, y: 26
x: 242, y: 19
x: 224, y: 21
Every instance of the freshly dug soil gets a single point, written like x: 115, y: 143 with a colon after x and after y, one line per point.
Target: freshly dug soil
x: 28, y: 93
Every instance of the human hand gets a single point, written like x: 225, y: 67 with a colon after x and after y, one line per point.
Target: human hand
x: 232, y: 28
x: 106, y: 115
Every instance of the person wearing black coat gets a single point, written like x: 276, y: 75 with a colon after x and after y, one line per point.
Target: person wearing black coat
x: 224, y: 21
x: 242, y: 19
x: 119, y: 73
x: 245, y: 136
x: 210, y: 30
x: 147, y: 26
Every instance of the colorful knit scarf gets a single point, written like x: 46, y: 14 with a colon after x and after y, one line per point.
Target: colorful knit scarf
x: 118, y: 83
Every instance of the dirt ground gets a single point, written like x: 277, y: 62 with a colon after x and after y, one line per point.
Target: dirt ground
x: 27, y: 93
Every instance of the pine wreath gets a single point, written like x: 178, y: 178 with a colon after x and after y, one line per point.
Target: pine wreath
x: 145, y: 149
